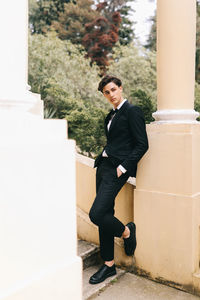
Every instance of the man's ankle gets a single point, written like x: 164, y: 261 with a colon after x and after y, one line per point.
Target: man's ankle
x: 109, y: 263
x: 126, y: 233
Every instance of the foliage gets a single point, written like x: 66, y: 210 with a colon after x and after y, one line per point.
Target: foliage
x: 86, y: 126
x: 56, y: 63
x: 126, y: 32
x: 43, y: 13
x: 101, y: 36
x: 85, y: 120
x: 141, y: 99
x: 137, y: 68
x: 104, y: 31
x: 197, y: 99
x: 151, y: 41
x: 32, y: 6
x: 71, y: 22
x: 49, y: 113
x: 97, y: 27
x: 109, y: 7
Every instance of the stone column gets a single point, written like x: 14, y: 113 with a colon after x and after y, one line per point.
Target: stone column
x: 14, y: 47
x: 167, y: 195
x: 38, y: 236
x: 176, y: 34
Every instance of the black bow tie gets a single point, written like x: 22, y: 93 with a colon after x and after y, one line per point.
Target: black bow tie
x: 114, y: 111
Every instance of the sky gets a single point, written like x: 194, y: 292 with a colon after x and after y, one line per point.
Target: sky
x: 144, y: 9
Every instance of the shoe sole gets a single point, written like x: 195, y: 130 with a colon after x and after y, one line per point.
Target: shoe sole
x: 104, y: 278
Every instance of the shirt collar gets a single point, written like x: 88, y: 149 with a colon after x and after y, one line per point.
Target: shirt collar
x: 120, y: 105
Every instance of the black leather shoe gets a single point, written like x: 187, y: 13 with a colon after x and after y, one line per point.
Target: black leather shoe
x: 103, y: 273
x: 130, y: 243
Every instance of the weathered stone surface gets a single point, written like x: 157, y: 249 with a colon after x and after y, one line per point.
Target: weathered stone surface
x: 132, y: 287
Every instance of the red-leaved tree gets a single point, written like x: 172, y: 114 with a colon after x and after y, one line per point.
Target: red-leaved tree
x: 101, y: 35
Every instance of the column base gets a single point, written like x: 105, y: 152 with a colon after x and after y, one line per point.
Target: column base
x: 29, y: 102
x: 175, y: 116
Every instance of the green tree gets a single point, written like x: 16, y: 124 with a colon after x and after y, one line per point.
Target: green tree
x: 126, y: 31
x: 86, y: 126
x: 53, y: 62
x: 136, y: 66
x: 85, y: 119
x: 71, y: 22
x: 43, y: 12
x: 151, y: 41
x: 32, y: 6
x: 141, y: 99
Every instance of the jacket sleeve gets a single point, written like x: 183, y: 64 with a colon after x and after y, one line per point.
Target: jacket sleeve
x: 138, y: 133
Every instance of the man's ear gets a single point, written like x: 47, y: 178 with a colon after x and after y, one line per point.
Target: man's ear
x: 121, y: 88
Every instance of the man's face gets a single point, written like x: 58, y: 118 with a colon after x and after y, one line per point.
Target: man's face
x: 113, y: 93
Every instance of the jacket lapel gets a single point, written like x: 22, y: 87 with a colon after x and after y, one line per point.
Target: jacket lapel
x: 106, y: 122
x: 117, y: 116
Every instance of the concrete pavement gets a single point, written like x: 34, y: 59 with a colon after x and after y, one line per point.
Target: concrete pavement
x: 132, y: 287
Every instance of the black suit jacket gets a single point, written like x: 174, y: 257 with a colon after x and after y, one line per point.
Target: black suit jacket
x: 126, y: 139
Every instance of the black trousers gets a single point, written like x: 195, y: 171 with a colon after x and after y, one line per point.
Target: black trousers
x: 101, y: 213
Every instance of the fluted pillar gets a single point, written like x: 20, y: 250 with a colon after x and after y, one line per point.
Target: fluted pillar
x: 176, y: 33
x: 14, y: 92
x: 167, y: 194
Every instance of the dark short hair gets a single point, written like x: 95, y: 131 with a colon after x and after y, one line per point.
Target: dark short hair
x: 107, y: 79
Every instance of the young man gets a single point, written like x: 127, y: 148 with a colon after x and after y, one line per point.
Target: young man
x: 126, y: 144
